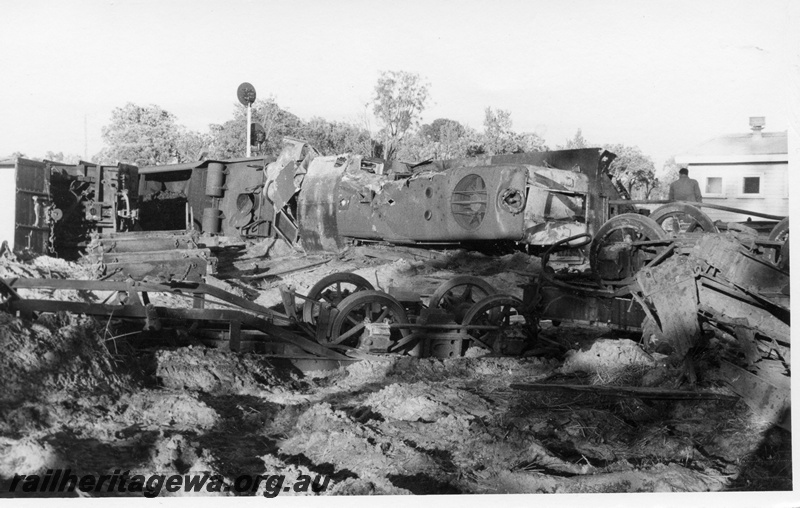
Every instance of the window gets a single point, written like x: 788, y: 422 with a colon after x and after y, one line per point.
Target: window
x: 713, y: 185
x: 751, y: 185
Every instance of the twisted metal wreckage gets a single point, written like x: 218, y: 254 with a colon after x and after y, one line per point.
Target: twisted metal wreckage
x: 671, y: 275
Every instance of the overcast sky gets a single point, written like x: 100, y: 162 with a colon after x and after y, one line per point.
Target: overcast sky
x: 664, y: 76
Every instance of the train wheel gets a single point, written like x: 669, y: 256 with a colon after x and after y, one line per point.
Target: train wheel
x: 459, y: 294
x: 333, y: 289
x: 514, y: 333
x: 678, y: 218
x: 361, y: 308
x: 624, y: 244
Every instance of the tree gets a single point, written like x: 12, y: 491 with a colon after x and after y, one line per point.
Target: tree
x: 442, y: 129
x: 499, y: 137
x: 633, y: 169
x: 667, y: 175
x: 530, y: 142
x: 228, y: 139
x: 145, y: 135
x: 576, y: 142
x: 331, y: 138
x: 399, y: 100
x: 441, y: 139
x: 60, y: 157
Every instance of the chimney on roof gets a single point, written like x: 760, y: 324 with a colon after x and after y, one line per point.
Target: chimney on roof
x: 757, y: 125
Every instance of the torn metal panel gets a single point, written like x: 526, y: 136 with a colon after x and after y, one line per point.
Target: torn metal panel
x: 672, y: 290
x: 742, y: 268
x: 282, y: 180
x: 556, y: 205
x: 317, y: 204
x: 733, y: 311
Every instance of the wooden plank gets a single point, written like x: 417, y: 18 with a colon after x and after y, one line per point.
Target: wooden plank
x: 642, y: 392
x: 284, y: 272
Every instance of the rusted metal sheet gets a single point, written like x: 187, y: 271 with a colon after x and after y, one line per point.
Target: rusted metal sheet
x: 283, y: 178
x: 317, y: 204
x: 556, y: 206
x: 735, y: 312
x: 672, y: 290
x: 740, y: 267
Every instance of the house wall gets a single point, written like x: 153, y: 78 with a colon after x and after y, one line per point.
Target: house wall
x: 773, y: 197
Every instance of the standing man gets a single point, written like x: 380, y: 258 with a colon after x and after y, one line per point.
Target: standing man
x: 685, y: 188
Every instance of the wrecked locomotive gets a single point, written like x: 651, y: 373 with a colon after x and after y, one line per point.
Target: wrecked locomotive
x: 322, y: 203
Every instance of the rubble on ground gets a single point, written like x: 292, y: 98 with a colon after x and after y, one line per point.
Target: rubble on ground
x: 73, y: 395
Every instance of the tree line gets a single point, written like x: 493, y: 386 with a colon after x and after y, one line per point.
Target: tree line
x: 150, y: 135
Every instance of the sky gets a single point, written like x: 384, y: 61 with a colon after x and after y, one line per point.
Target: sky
x: 661, y: 75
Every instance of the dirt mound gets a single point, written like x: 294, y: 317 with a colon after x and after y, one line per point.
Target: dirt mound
x: 326, y: 435
x: 55, y: 353
x: 220, y: 372
x: 25, y: 456
x: 421, y: 401
x: 165, y: 408
x: 608, y: 359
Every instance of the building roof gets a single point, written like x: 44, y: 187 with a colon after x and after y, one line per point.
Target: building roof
x: 750, y: 147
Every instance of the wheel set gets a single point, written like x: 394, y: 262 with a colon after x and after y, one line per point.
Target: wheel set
x: 357, y: 316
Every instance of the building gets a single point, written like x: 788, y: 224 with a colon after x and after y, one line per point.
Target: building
x: 747, y: 171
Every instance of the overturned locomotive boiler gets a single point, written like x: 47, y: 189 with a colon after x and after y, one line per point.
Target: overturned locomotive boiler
x: 534, y: 199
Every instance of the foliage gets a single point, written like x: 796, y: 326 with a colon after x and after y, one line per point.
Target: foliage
x: 530, y: 142
x: 633, y: 169
x: 399, y: 100
x: 60, y: 157
x: 228, y: 140
x: 331, y: 138
x: 441, y: 139
x: 500, y: 138
x: 146, y: 135
x: 576, y: 142
x: 668, y: 174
